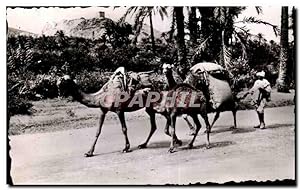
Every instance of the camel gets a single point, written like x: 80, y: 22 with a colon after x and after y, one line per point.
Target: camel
x: 194, y: 80
x: 107, y: 100
x: 168, y: 106
x: 199, y: 78
x: 169, y: 73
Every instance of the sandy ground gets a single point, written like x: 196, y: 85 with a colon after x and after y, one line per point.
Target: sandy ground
x: 240, y: 155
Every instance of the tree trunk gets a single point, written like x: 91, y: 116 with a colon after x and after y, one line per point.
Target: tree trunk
x: 282, y: 85
x: 182, y: 69
x: 152, y: 33
x: 193, y: 27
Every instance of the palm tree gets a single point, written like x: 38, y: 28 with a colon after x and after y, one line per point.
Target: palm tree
x: 219, y: 27
x: 61, y: 39
x: 179, y: 17
x: 282, y: 85
x: 293, y: 26
x: 117, y: 33
x: 193, y: 25
x: 260, y: 38
x: 140, y: 14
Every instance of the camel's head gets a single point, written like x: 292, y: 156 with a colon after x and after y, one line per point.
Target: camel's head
x: 66, y: 86
x: 167, y: 68
x: 197, y: 79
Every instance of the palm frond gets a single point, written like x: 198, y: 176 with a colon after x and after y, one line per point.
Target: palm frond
x: 139, y: 20
x: 162, y: 12
x: 201, y: 48
x: 220, y: 14
x: 173, y: 24
x: 258, y: 10
x: 243, y: 43
x: 138, y: 16
x: 225, y: 56
x: 130, y: 10
x: 253, y: 20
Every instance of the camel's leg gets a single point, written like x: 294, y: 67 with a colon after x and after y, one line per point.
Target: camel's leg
x: 198, y: 126
x: 177, y: 141
x: 173, y: 140
x: 214, y: 121
x: 208, y: 128
x: 152, y: 129
x: 101, y: 120
x: 192, y: 128
x: 234, y: 119
x: 168, y: 123
x: 215, y: 118
x: 124, y: 130
x: 234, y: 110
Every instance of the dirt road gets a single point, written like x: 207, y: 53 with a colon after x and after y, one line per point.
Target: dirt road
x: 243, y: 154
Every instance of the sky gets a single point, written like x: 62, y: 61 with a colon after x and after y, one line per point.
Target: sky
x: 33, y: 20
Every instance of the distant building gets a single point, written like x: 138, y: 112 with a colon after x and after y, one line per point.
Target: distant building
x: 101, y: 14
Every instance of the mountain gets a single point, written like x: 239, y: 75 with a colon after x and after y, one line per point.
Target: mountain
x: 17, y: 32
x: 87, y: 28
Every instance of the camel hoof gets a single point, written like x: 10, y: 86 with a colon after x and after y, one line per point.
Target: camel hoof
x: 208, y: 147
x: 171, y: 150
x: 190, y: 146
x: 179, y: 142
x: 126, y: 150
x: 88, y: 154
x: 141, y: 146
x: 232, y: 127
x: 206, y: 131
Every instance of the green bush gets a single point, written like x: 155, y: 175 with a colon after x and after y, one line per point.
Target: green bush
x: 92, y: 81
x: 16, y: 103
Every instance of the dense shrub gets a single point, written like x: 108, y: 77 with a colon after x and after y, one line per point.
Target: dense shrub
x: 92, y: 81
x: 16, y: 103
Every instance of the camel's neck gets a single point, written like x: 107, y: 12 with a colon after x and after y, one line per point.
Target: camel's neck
x: 170, y: 79
x: 172, y: 82
x: 89, y: 100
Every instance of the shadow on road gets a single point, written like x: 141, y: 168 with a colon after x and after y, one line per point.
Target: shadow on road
x: 243, y: 130
x: 212, y: 145
x: 274, y: 126
x: 164, y: 144
x: 220, y: 129
x: 223, y: 129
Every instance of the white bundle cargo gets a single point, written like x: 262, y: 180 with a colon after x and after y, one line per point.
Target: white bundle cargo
x: 219, y: 91
x: 213, y: 69
x: 206, y: 66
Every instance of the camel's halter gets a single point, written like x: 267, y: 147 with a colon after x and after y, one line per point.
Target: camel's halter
x: 199, y: 77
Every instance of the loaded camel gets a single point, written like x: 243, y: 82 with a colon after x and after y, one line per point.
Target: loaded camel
x: 175, y: 102
x: 107, y: 94
x: 106, y: 100
x: 197, y: 77
x: 196, y: 80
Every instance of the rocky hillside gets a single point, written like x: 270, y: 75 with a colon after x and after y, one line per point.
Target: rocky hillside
x: 17, y: 32
x: 86, y: 28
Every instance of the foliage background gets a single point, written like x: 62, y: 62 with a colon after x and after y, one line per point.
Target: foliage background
x: 34, y: 64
